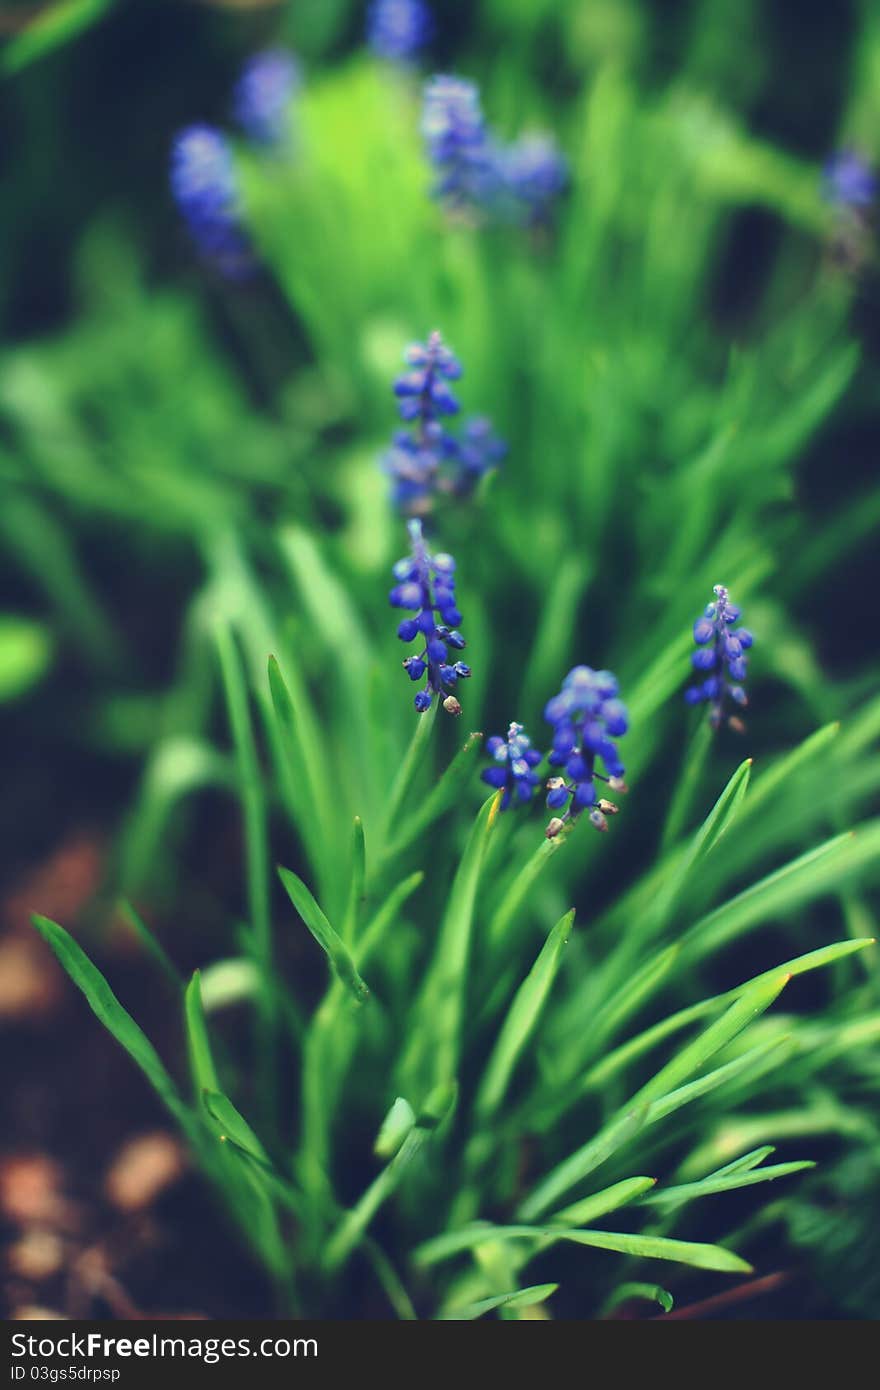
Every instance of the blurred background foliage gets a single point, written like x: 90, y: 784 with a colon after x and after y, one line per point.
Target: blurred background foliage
x: 685, y: 373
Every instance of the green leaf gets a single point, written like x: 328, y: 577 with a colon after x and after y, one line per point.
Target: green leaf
x: 25, y: 653
x: 435, y: 1038
x: 300, y: 758
x: 818, y: 871
x: 634, y: 1048
x: 686, y: 1252
x: 713, y: 829
x: 327, y: 938
x: 686, y: 1192
x: 231, y: 1124
x: 520, y: 1298
x: 49, y: 28
x: 752, y: 1002
x: 621, y: 1128
x: 652, y: 1292
x: 521, y: 1020
x: 151, y: 944
x: 693, y: 1090
x: 409, y: 768
x: 394, y: 1128
x: 687, y: 783
x: 385, y: 917
x: 354, y: 1223
x: 252, y: 794
x: 356, y: 886
x: 620, y: 1194
x: 517, y: 893
x: 204, y: 1073
x: 439, y: 800
x: 116, y: 1020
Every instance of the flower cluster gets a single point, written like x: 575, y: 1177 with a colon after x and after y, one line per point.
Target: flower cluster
x: 586, y: 716
x: 262, y: 96
x: 849, y: 185
x: 535, y: 175
x: 398, y: 29
x: 427, y: 459
x: 476, y: 172
x: 848, y: 180
x: 720, y: 658
x: 513, y: 765
x: 459, y: 144
x: 426, y: 587
x: 204, y: 187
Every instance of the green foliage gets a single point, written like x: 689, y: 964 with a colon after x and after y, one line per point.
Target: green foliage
x: 505, y: 1084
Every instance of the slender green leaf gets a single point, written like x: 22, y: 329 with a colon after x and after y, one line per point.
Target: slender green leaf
x: 151, y: 945
x: 519, y: 1298
x: 436, y: 1036
x: 620, y: 1194
x: 686, y: 1192
x: 439, y: 800
x: 394, y: 1128
x: 232, y: 1125
x: 620, y: 1129
x: 652, y: 1292
x: 355, y: 1222
x: 521, y: 1020
x: 115, y: 1018
x: 644, y: 1247
x: 327, y: 938
x: 204, y: 1073
x: 518, y: 891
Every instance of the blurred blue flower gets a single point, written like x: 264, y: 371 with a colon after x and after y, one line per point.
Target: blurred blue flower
x: 848, y: 181
x: 535, y: 174
x: 720, y: 658
x: 427, y: 460
x: 459, y: 145
x: 587, y: 716
x: 425, y: 587
x: 513, y: 765
x: 262, y: 96
x: 203, y: 184
x: 398, y: 29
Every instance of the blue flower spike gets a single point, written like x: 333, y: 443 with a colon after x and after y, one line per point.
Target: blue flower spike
x: 426, y: 459
x: 848, y: 181
x: 399, y: 29
x: 459, y: 145
x: 536, y: 175
x: 587, y: 716
x: 261, y: 99
x: 204, y: 186
x: 720, y: 660
x: 426, y: 589
x: 513, y: 766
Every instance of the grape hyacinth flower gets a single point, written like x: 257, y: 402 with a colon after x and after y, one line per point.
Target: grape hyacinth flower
x: 398, y: 29
x: 427, y: 459
x: 535, y: 174
x: 720, y: 659
x: 459, y: 145
x: 848, y: 181
x: 587, y: 716
x: 514, y: 762
x: 203, y: 184
x: 262, y: 96
x: 426, y: 587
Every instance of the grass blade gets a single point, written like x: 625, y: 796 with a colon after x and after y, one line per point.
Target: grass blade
x: 107, y: 1008
x: 521, y: 1020
x: 520, y: 1298
x: 327, y: 938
